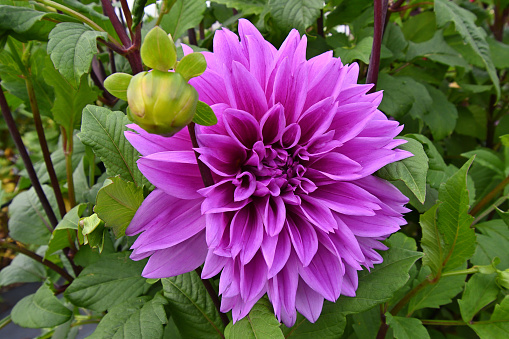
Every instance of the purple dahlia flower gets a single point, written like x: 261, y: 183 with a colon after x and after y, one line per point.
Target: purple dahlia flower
x: 295, y: 210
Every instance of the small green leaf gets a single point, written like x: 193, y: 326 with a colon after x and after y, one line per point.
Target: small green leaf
x: 330, y: 325
x: 22, y: 269
x: 117, y: 203
x: 138, y: 12
x: 437, y: 167
x: 191, y: 308
x: 117, y: 84
x: 259, y: 323
x: 406, y: 328
x: 442, y: 115
x: 103, y: 130
x: 498, y: 325
x: 299, y: 14
x: 140, y: 317
x: 412, y: 171
x: 40, y: 310
x: 158, y: 50
x: 184, y: 14
x: 192, y: 65
x: 361, y: 51
x: 492, y: 241
x: 110, y: 281
x: 92, y: 232
x: 72, y: 47
x: 65, y: 232
x: 487, y: 158
x: 204, y: 115
x: 481, y: 289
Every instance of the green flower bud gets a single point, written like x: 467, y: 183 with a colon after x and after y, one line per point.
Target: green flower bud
x: 503, y: 279
x: 161, y: 102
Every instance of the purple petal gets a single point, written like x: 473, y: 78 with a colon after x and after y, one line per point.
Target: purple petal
x: 272, y: 124
x: 213, y: 265
x: 246, y: 234
x: 147, y: 143
x: 219, y: 198
x: 253, y: 277
x: 304, y: 238
x: 242, y: 127
x: 308, y: 302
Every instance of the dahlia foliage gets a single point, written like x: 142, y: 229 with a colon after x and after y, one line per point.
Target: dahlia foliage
x: 295, y: 210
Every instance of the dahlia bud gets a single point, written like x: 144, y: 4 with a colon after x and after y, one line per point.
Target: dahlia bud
x: 503, y: 279
x: 161, y: 102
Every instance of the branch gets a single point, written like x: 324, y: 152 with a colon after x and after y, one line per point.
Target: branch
x: 13, y: 130
x: 374, y: 60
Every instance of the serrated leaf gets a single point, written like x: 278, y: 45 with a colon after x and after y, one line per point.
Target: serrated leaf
x: 191, y: 308
x: 480, y: 290
x: 110, y: 281
x: 136, y: 318
x: 330, y: 325
x: 103, y: 130
x: 245, y: 6
x: 464, y: 22
x: 498, y: 325
x: 28, y: 222
x: 40, y: 310
x: 69, y: 99
x: 183, y: 15
x: 192, y: 65
x: 25, y: 23
x: 65, y: 232
x: 406, y: 328
x: 442, y: 115
x: 204, y: 115
x: 158, y: 50
x: 117, y: 203
x: 71, y: 47
x: 412, y: 171
x: 361, y: 51
x: 299, y: 14
x: 117, y: 84
x: 384, y: 279
x: 453, y: 218
x: 435, y: 295
x: 259, y: 323
x: 22, y: 269
x: 432, y: 241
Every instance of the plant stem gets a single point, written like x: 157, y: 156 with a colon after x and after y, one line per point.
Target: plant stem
x: 51, y: 265
x: 213, y: 296
x: 191, y: 33
x: 489, y: 209
x: 42, y: 139
x: 374, y: 60
x: 13, y: 130
x: 119, y: 28
x: 461, y: 272
x: 76, y: 15
x: 490, y: 196
x: 128, y: 16
x: 459, y: 322
x: 319, y: 25
x: 68, y: 150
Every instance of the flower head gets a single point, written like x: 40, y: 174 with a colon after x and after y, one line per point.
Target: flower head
x: 295, y: 210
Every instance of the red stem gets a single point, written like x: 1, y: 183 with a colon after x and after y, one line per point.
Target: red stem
x: 374, y: 61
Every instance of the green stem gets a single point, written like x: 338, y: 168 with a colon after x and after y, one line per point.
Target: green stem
x: 51, y: 265
x: 68, y: 150
x: 5, y: 321
x: 490, y: 196
x: 76, y: 15
x: 461, y: 272
x: 459, y: 322
x: 165, y: 9
x: 489, y: 209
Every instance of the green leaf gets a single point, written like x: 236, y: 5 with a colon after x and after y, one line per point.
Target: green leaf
x: 103, y: 130
x: 28, y: 222
x: 40, y: 310
x: 117, y: 84
x: 71, y: 47
x: 25, y: 24
x: 361, y: 51
x: 406, y: 328
x: 117, y: 203
x: 437, y: 167
x: 22, y: 269
x: 453, y: 218
x: 65, y: 232
x: 259, y: 323
x: 299, y: 14
x: 384, y: 280
x: 442, y: 115
x: 499, y: 53
x: 498, y: 325
x: 245, y: 6
x: 492, y: 241
x: 92, y: 232
x: 487, y: 158
x: 204, y: 115
x: 70, y: 100
x: 108, y: 282
x: 158, y: 50
x: 192, y: 65
x: 191, y: 308
x: 366, y: 324
x: 432, y: 241
x: 435, y: 295
x: 481, y: 290
x: 419, y: 28
x: 464, y: 21
x: 472, y: 121
x: 438, y: 50
x: 135, y: 318
x: 412, y: 171
x: 330, y: 325
x: 183, y: 15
